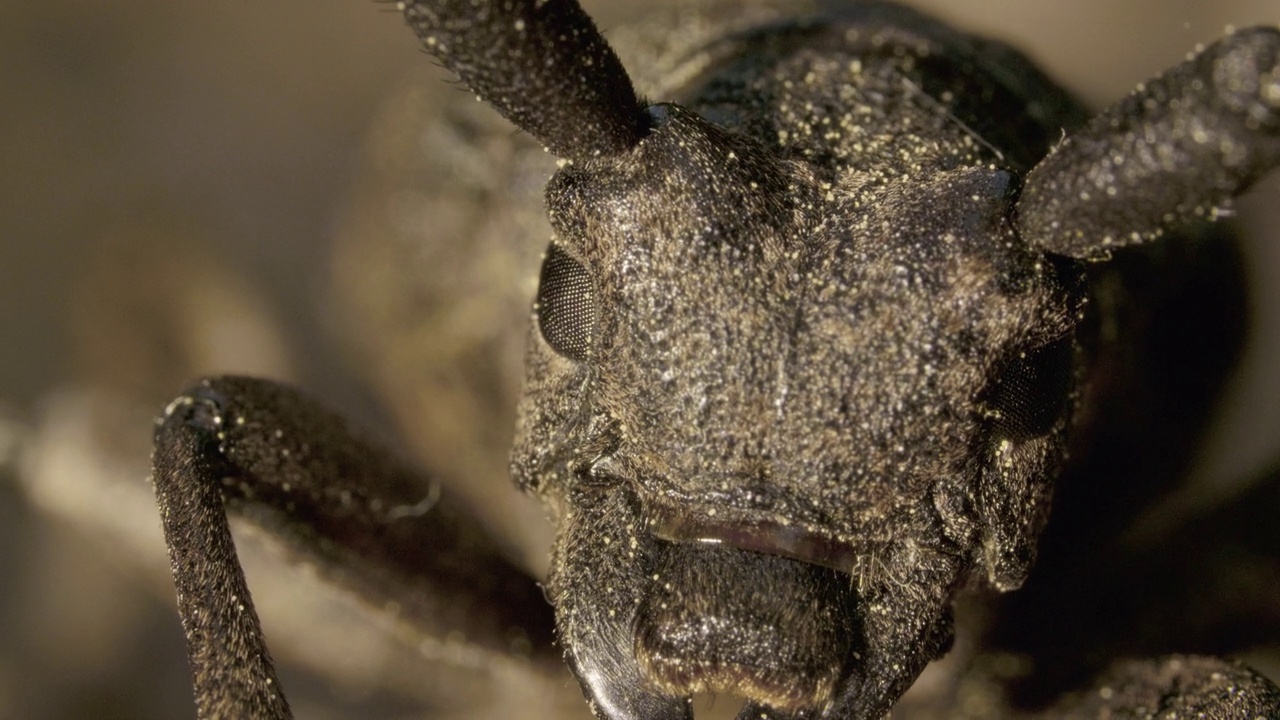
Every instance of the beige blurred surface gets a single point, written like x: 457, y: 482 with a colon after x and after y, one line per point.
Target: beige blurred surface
x: 201, y: 151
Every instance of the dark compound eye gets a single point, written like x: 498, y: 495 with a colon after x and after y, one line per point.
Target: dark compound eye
x: 566, y: 305
x: 1033, y: 391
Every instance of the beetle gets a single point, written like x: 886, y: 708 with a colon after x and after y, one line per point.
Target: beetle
x: 928, y: 287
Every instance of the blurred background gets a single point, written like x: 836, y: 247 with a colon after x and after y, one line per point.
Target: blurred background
x: 170, y: 179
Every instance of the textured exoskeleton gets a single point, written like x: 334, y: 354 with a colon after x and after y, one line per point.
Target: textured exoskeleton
x: 815, y: 334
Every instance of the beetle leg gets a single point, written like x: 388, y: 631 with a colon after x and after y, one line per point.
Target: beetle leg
x: 276, y: 456
x: 1179, y: 686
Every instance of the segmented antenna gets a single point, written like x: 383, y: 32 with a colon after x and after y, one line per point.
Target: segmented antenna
x: 542, y: 64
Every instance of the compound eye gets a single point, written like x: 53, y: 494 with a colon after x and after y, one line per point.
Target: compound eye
x: 1033, y: 391
x: 566, y: 305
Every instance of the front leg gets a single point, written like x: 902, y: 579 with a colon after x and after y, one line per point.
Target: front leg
x: 1178, y: 686
x: 372, y: 523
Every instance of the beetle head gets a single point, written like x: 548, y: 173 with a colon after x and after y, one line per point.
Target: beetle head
x: 783, y: 397
x: 768, y: 409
